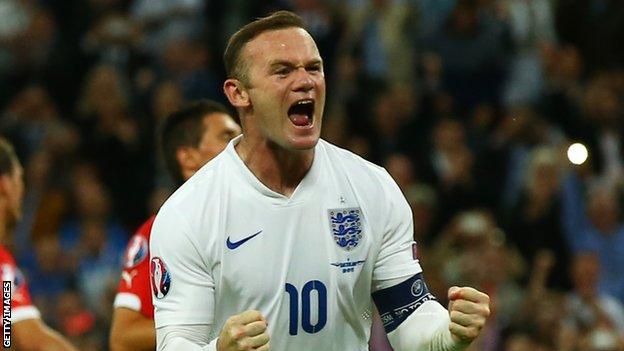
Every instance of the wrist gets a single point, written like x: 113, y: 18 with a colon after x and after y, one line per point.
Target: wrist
x: 451, y: 342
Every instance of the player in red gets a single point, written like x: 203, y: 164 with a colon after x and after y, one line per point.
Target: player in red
x: 190, y: 138
x: 28, y: 331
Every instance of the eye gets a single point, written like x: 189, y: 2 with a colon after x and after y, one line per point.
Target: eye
x: 282, y: 71
x: 314, y: 68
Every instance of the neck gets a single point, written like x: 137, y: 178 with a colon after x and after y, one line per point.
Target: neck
x: 279, y: 169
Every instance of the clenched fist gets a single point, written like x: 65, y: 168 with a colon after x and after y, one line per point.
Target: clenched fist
x: 245, y: 331
x: 468, y: 310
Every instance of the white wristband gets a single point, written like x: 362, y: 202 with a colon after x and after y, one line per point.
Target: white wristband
x: 212, y: 346
x: 426, y: 329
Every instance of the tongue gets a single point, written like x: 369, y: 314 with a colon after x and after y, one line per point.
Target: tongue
x: 299, y: 120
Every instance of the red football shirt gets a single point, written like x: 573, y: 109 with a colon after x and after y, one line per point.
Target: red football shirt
x: 21, y: 303
x: 134, y: 291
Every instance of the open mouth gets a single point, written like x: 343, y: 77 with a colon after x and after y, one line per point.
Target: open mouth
x: 301, y: 113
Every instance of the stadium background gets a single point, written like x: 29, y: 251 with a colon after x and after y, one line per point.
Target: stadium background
x: 470, y: 104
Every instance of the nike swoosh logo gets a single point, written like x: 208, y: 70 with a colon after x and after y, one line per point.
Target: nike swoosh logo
x: 234, y: 245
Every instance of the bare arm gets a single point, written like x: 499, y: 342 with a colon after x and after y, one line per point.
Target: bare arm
x: 131, y: 331
x: 34, y: 335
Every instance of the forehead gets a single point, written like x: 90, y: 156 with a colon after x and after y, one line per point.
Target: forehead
x: 288, y: 44
x: 217, y: 122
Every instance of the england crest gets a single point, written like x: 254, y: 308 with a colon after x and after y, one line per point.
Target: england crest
x: 346, y: 227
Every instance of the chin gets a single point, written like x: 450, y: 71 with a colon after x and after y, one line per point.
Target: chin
x: 304, y: 143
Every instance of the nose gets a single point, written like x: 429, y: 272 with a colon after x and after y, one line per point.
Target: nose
x: 303, y: 80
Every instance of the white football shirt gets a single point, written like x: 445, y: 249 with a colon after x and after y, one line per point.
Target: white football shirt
x: 225, y: 243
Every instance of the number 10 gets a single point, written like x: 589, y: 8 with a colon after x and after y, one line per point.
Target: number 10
x: 306, y: 315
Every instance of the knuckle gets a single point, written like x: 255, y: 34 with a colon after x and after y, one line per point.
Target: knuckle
x: 255, y: 314
x: 242, y: 345
x: 232, y: 321
x: 487, y: 311
x: 237, y: 332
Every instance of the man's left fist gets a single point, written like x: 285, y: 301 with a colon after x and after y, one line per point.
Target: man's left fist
x: 468, y: 310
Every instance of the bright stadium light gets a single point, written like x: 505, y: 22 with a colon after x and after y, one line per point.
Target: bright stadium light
x: 577, y: 153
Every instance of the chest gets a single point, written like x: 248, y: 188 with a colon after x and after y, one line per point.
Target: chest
x: 327, y: 241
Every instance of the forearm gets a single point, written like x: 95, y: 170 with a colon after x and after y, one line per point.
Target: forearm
x: 131, y: 331
x: 33, y: 334
x: 55, y: 342
x: 185, y: 337
x: 426, y: 329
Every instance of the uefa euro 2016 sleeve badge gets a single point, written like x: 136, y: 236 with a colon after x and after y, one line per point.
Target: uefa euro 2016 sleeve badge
x: 136, y: 252
x: 161, y: 278
x: 346, y: 227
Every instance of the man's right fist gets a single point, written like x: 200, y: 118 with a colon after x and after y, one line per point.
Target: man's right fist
x: 245, y: 331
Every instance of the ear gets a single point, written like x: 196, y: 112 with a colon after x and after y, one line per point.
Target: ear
x: 186, y: 159
x: 5, y: 183
x: 236, y: 93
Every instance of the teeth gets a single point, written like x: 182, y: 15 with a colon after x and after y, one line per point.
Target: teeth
x: 304, y: 102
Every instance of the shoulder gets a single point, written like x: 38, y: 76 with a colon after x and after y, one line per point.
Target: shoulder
x: 199, y: 189
x: 351, y: 162
x: 193, y: 205
x: 6, y: 257
x: 137, y: 248
x: 358, y: 171
x: 146, y: 228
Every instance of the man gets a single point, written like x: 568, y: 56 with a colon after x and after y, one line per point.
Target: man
x: 286, y: 237
x: 28, y: 331
x: 190, y: 138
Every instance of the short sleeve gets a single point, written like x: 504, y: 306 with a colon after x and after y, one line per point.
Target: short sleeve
x: 134, y: 291
x: 22, y: 307
x: 395, y: 260
x: 182, y: 286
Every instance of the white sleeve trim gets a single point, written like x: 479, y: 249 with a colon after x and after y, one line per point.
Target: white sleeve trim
x: 426, y: 329
x: 23, y: 313
x: 185, y: 337
x: 127, y: 300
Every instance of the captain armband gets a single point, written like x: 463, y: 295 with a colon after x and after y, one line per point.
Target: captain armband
x: 398, y: 302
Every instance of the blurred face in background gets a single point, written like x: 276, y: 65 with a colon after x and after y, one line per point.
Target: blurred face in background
x: 91, y: 196
x: 401, y: 168
x: 219, y: 129
x: 602, y: 104
x: 448, y: 135
x: 604, y: 210
x: 585, y: 270
x: 543, y: 176
x: 13, y: 189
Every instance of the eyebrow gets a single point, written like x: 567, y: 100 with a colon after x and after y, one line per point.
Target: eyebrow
x: 276, y: 63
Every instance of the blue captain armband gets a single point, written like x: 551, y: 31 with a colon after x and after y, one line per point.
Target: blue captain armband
x: 398, y: 302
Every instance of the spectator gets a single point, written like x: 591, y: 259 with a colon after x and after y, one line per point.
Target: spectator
x: 605, y: 236
x: 532, y: 29
x: 93, y: 238
x: 535, y: 223
x: 471, y: 50
x: 588, y: 310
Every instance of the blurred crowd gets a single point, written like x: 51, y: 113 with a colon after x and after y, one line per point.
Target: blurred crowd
x: 469, y: 104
